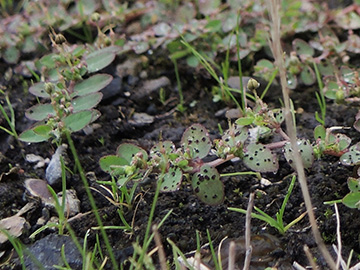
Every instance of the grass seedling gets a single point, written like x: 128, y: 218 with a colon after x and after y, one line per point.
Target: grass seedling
x: 243, y: 93
x: 92, y: 200
x: 180, y: 106
x: 213, y: 254
x: 206, y: 64
x: 10, y: 120
x: 320, y: 98
x: 277, y: 223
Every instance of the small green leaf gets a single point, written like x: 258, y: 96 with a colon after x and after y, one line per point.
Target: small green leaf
x: 128, y: 151
x: 326, y: 68
x: 244, y: 121
x: 196, y: 139
x: 352, y: 200
x: 172, y: 180
x: 107, y: 162
x: 302, y: 47
x: 99, y: 59
x: 86, y: 102
x: 320, y: 132
x: 291, y: 80
x: 43, y: 130
x: 77, y: 121
x: 91, y: 85
x: 40, y: 112
x: 11, y: 55
x: 38, y: 89
x: 31, y: 137
x: 307, y: 75
x: 354, y: 184
x: 207, y: 185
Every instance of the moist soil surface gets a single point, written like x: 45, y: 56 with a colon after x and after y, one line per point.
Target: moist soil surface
x: 123, y: 99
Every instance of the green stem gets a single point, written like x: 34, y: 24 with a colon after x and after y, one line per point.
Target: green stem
x: 91, y: 199
x: 151, y: 216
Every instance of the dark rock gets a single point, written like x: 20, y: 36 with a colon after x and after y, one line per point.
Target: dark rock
x: 46, y: 252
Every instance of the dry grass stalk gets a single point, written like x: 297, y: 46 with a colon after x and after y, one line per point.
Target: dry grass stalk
x: 160, y: 248
x: 275, y: 45
x: 248, y: 232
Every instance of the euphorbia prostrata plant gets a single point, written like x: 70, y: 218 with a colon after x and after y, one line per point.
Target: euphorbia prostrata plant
x: 241, y: 140
x: 70, y: 88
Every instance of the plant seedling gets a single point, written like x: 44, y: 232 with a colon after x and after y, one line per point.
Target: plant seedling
x: 72, y: 98
x: 277, y: 223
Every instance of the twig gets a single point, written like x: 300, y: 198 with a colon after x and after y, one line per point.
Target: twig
x: 310, y: 257
x: 161, y: 252
x: 275, y: 44
x: 338, y: 236
x: 231, y: 259
x: 248, y: 246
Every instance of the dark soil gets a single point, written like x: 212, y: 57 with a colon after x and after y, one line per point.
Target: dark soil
x: 327, y: 179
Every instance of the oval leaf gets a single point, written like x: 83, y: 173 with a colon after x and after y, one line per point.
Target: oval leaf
x: 38, y: 89
x: 31, y: 136
x: 172, y: 180
x: 91, y: 85
x: 207, y: 185
x: 111, y: 160
x: 307, y: 76
x: 78, y: 121
x: 305, y: 151
x: 352, y: 199
x: 196, y: 139
x: 40, y: 112
x: 259, y: 158
x: 128, y: 151
x: 302, y: 47
x: 86, y: 102
x: 99, y: 59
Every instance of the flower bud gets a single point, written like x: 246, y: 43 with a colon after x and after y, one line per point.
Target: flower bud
x: 49, y: 88
x: 95, y: 17
x: 60, y: 39
x: 252, y: 84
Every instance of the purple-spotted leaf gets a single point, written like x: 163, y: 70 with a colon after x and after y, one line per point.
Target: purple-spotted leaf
x: 305, y: 151
x: 319, y: 132
x: 207, y: 185
x: 40, y: 112
x: 128, y: 151
x: 38, y: 89
x: 165, y: 147
x: 196, y: 139
x: 352, y: 200
x: 307, y: 76
x: 352, y: 157
x: 172, y: 180
x: 259, y: 158
x: 278, y: 115
x: 235, y: 136
x: 326, y: 68
x: 91, y: 85
x: 302, y: 47
x: 354, y: 184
